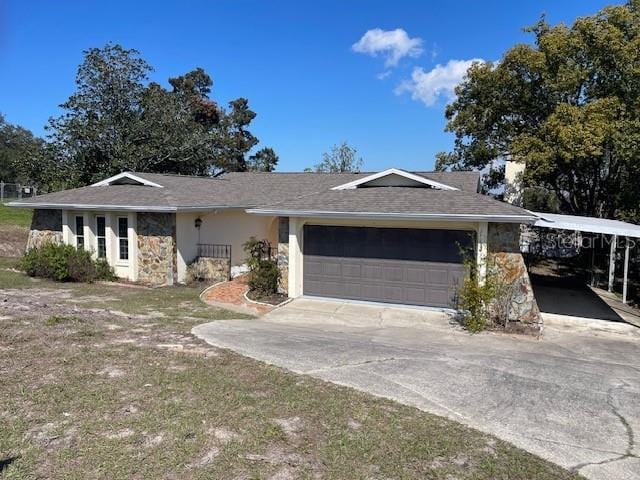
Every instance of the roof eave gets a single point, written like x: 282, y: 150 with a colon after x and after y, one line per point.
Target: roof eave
x: 497, y: 218
x: 85, y: 206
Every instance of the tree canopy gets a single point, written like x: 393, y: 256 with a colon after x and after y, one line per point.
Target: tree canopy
x: 567, y: 105
x: 341, y: 158
x: 118, y: 120
x: 22, y: 155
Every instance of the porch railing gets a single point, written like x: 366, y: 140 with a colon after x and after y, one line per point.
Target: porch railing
x: 212, y: 250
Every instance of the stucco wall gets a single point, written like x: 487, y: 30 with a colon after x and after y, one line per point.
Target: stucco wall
x: 224, y: 227
x: 46, y: 227
x: 503, y: 241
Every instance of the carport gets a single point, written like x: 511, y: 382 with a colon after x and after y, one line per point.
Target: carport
x: 614, y: 229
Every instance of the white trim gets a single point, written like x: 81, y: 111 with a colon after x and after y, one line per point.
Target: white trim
x: 397, y: 216
x: 394, y: 171
x: 119, y: 260
x: 108, y: 181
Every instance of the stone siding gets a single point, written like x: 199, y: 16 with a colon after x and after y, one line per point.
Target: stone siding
x: 283, y: 266
x: 209, y: 270
x: 157, y: 248
x: 503, y: 243
x: 46, y: 227
x: 283, y: 254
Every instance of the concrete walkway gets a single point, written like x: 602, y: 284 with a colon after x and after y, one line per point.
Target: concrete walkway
x: 572, y: 397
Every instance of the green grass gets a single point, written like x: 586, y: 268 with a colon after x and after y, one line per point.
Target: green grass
x: 103, y: 381
x: 20, y: 217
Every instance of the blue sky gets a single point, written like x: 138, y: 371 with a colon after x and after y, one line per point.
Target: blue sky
x: 293, y: 60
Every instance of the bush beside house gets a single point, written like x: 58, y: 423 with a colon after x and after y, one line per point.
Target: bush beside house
x: 65, y: 263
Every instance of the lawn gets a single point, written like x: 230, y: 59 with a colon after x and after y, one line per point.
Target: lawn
x: 20, y: 217
x: 105, y: 381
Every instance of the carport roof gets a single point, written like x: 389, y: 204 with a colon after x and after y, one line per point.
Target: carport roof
x: 587, y: 224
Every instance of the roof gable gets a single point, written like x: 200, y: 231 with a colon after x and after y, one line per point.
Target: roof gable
x: 126, y: 178
x: 394, y: 177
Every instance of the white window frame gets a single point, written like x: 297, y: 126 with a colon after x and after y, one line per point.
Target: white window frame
x: 79, y: 234
x: 103, y: 236
x: 120, y: 260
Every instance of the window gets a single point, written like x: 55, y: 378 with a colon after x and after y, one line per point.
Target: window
x: 123, y: 238
x: 79, y: 232
x: 101, y: 237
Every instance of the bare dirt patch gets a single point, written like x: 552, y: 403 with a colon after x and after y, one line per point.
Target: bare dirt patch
x: 13, y: 240
x: 102, y: 382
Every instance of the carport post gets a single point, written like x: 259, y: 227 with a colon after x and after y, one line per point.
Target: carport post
x: 612, y: 262
x: 626, y: 269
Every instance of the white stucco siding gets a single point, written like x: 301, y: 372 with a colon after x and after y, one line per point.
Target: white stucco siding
x: 223, y: 227
x: 296, y: 239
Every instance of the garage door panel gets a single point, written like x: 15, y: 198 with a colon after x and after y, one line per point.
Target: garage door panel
x: 371, y: 272
x: 437, y: 276
x: 332, y: 268
x: 409, y: 266
x: 416, y: 296
x: 350, y: 269
x: 393, y: 273
x: 393, y: 294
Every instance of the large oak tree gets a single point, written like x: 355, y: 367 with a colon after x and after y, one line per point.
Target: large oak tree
x: 117, y: 120
x: 568, y: 105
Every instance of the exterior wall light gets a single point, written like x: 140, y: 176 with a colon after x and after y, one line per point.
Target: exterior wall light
x: 198, y: 222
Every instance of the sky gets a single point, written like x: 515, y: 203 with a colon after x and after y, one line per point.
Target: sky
x: 376, y: 74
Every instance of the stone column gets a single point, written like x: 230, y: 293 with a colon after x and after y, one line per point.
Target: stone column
x: 156, y: 253
x: 503, y: 242
x: 46, y: 227
x: 283, y: 254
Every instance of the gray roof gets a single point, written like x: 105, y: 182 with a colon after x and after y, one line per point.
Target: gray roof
x: 397, y: 201
x: 281, y: 191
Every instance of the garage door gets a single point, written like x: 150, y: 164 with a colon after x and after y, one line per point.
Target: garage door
x: 396, y: 265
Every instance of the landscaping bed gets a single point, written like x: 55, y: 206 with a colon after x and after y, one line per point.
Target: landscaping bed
x: 274, y: 299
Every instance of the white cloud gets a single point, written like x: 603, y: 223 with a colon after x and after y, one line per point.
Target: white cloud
x: 441, y: 81
x: 392, y: 44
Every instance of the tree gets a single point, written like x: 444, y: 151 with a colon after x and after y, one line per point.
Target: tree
x: 23, y: 158
x: 341, y: 158
x: 264, y: 160
x: 233, y: 140
x: 117, y: 120
x: 566, y: 105
x: 96, y: 136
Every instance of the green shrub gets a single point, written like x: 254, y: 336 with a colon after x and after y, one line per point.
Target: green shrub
x: 264, y: 278
x: 475, y: 299
x: 64, y: 263
x: 264, y: 274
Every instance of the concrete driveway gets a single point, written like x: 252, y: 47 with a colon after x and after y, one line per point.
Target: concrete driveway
x: 572, y: 397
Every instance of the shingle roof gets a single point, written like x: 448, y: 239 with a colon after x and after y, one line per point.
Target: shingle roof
x: 291, y: 191
x: 404, y: 201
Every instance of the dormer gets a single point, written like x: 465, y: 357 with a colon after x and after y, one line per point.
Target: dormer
x: 394, y: 177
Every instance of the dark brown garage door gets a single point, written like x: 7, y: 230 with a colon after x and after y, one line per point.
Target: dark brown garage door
x: 397, y: 265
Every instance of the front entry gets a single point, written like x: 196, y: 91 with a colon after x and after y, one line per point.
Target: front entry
x: 395, y: 265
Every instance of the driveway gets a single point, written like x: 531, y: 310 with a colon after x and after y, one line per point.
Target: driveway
x: 572, y: 397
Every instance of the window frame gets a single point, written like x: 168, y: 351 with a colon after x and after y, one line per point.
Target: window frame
x: 123, y: 253
x: 101, y: 251
x: 79, y: 232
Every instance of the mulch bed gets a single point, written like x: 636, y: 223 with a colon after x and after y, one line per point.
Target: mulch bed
x: 272, y: 299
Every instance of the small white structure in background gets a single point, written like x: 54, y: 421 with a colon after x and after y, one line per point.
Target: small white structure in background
x: 513, y: 172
